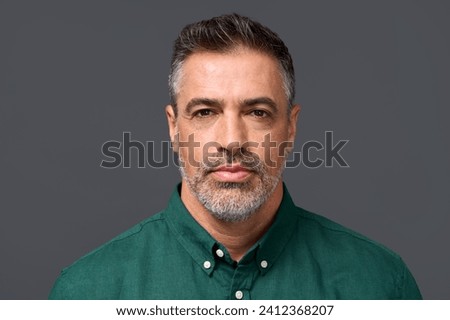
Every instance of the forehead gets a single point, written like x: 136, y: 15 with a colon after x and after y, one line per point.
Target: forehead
x: 242, y: 73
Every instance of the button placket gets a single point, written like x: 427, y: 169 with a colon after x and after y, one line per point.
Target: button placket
x: 242, y: 281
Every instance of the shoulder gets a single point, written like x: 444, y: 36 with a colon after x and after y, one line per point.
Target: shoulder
x: 327, y: 232
x: 121, y: 243
x: 354, y: 257
x: 108, y: 262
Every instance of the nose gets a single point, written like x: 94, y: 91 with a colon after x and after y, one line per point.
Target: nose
x: 231, y: 132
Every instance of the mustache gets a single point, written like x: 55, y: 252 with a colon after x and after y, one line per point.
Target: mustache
x: 242, y: 157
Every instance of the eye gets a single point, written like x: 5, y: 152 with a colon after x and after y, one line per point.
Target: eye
x: 203, y: 113
x: 259, y: 113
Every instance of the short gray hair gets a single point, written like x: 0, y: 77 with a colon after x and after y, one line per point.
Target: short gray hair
x: 223, y: 34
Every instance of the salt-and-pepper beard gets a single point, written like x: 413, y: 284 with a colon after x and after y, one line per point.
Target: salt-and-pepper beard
x: 232, y: 201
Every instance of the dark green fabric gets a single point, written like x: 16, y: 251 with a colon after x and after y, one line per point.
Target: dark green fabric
x: 308, y: 257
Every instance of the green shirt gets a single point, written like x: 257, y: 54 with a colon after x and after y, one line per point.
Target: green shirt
x: 302, y: 256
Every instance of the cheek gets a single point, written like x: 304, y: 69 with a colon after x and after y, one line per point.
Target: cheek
x: 272, y: 149
x: 191, y: 147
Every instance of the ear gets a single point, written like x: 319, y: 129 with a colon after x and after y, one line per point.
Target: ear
x: 292, y: 129
x: 172, y: 123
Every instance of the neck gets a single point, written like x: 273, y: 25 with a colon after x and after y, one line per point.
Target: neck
x: 237, y: 237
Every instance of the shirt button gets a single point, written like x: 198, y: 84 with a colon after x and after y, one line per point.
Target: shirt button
x: 206, y: 264
x: 239, y: 294
x: 219, y: 253
x: 264, y: 264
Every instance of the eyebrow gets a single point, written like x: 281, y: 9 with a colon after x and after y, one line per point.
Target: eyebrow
x: 261, y: 100
x: 217, y: 103
x: 202, y: 101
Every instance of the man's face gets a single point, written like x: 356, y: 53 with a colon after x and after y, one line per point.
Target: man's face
x: 232, y: 130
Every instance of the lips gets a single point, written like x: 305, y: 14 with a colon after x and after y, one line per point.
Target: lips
x: 234, y: 173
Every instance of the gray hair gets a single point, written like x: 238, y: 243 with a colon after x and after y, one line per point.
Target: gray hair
x: 223, y: 34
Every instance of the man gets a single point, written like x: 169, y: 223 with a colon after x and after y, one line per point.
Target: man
x: 231, y: 230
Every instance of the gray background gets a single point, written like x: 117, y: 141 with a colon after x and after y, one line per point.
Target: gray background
x: 74, y: 75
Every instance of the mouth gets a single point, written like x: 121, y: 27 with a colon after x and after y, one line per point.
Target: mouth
x: 234, y: 173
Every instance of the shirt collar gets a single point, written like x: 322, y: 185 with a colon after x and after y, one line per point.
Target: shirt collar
x: 193, y: 237
x: 280, y: 232
x: 201, y: 246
